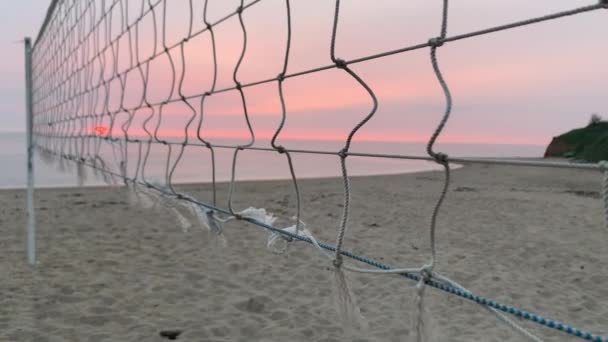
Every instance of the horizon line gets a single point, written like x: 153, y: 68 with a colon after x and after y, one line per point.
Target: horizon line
x: 263, y: 138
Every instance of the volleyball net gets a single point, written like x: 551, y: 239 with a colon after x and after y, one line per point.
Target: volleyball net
x: 95, y: 104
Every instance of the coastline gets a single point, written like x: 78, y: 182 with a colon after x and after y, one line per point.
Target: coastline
x: 186, y: 184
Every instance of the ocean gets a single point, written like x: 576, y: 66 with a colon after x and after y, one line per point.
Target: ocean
x: 195, y: 165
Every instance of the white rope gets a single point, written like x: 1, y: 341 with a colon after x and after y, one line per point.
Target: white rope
x: 298, y: 229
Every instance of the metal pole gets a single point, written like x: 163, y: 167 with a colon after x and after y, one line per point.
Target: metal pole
x: 31, y: 218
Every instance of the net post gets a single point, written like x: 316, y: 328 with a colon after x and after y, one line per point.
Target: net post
x: 31, y: 218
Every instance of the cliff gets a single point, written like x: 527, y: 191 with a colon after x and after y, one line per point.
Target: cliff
x: 559, y: 148
x: 588, y: 143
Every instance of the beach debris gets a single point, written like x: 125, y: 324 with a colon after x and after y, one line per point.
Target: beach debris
x: 170, y: 334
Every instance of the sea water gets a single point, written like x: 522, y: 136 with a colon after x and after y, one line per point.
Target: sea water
x: 195, y: 165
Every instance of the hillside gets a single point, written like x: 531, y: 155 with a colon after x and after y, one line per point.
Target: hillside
x: 588, y: 143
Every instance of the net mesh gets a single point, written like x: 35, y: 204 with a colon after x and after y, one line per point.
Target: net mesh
x: 98, y: 105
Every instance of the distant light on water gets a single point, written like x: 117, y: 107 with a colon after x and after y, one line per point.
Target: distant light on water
x: 101, y: 130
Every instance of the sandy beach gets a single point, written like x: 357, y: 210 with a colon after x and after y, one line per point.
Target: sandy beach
x: 109, y: 271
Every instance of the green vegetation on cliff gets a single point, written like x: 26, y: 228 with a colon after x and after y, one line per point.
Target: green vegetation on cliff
x: 588, y: 143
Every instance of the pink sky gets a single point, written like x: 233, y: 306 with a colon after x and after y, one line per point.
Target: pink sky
x: 521, y: 86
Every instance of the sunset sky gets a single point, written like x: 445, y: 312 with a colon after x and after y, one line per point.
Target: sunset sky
x: 519, y: 86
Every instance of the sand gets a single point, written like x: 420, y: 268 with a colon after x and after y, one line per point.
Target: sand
x: 108, y: 271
